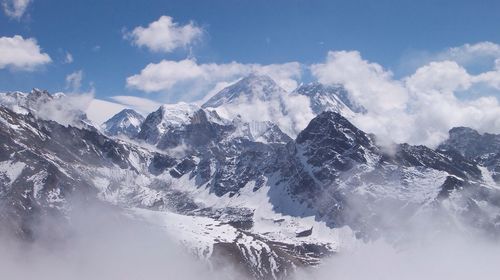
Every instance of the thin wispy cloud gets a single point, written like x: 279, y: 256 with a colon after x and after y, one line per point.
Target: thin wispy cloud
x: 15, y: 9
x: 68, y: 58
x: 74, y: 81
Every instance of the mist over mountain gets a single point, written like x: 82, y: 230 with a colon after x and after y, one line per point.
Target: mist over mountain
x: 225, y: 186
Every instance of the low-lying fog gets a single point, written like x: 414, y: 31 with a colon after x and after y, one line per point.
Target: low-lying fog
x: 104, y: 244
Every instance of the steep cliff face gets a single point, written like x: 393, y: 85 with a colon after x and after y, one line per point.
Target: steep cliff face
x: 483, y: 149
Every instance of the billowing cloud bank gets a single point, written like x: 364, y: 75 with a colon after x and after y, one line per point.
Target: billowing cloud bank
x: 419, y: 108
x: 196, y: 79
x: 101, y: 243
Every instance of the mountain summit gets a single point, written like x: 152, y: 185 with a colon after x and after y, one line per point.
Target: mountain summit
x: 127, y: 123
x: 250, y: 88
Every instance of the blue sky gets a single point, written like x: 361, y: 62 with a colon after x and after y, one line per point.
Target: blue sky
x: 395, y: 34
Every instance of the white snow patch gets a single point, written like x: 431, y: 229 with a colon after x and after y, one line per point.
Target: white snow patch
x: 11, y: 170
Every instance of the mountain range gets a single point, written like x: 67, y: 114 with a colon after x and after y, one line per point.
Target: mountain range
x: 255, y: 192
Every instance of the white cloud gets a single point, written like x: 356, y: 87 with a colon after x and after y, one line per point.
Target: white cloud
x: 370, y: 84
x: 165, y: 35
x: 21, y: 54
x: 445, y: 76
x: 15, y: 8
x: 100, y: 243
x: 68, y: 59
x: 420, y: 108
x: 491, y: 78
x: 479, y: 55
x: 197, y: 79
x: 66, y: 109
x: 286, y: 75
x: 434, y: 254
x: 164, y: 75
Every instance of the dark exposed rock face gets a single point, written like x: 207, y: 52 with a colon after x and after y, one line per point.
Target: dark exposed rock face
x: 331, y: 141
x: 149, y: 131
x: 451, y: 184
x: 304, y: 233
x: 454, y: 164
x: 470, y: 143
x: 483, y: 149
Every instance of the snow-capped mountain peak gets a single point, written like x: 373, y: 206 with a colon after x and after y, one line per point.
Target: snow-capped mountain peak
x: 21, y: 102
x: 251, y: 87
x: 172, y: 116
x: 59, y: 107
x: 177, y: 114
x: 126, y: 122
x: 167, y: 116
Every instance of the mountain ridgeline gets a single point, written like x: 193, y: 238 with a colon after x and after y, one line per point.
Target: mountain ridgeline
x: 238, y: 189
